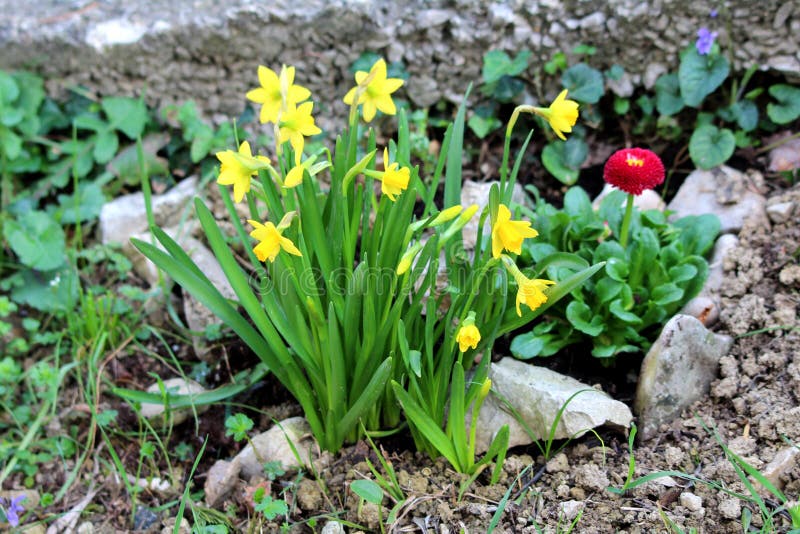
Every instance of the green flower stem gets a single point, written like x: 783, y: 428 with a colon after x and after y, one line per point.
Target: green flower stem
x: 626, y: 222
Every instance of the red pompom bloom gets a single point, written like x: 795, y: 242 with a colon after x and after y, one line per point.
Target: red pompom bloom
x: 633, y: 170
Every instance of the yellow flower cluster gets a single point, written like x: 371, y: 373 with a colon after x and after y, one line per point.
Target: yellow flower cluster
x: 285, y: 104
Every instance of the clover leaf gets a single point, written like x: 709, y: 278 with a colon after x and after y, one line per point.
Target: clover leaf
x: 37, y: 240
x: 699, y: 76
x: 787, y: 108
x: 710, y: 146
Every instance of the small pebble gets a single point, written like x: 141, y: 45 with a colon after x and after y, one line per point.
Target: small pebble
x: 730, y: 508
x: 691, y: 501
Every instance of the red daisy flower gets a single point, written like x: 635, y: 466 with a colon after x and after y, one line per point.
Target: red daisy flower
x: 633, y: 170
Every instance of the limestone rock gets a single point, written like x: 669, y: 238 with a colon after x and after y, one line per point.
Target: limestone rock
x: 272, y: 446
x: 781, y: 464
x: 691, y: 502
x: 677, y: 370
x: 648, y: 200
x: 706, y: 306
x: 537, y: 394
x: 125, y: 216
x: 176, y: 386
x: 785, y: 157
x: 333, y: 527
x: 220, y: 480
x: 723, y: 191
x: 780, y: 212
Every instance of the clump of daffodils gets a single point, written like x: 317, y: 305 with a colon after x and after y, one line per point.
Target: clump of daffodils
x: 351, y: 321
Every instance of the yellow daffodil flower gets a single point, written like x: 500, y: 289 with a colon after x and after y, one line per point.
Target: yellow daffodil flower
x: 295, y: 124
x: 276, y: 92
x: 394, y: 179
x: 374, y: 90
x: 561, y: 115
x: 508, y: 234
x: 531, y: 293
x: 271, y: 239
x: 468, y: 337
x: 237, y: 169
x: 295, y: 176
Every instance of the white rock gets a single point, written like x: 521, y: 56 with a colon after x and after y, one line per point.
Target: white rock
x: 537, y: 394
x: 781, y: 464
x: 705, y: 307
x: 730, y: 508
x: 648, y: 200
x: 125, y: 216
x: 780, y: 212
x: 273, y: 445
x: 677, y: 370
x: 570, y: 509
x: 220, y: 480
x: 155, y: 484
x: 175, y: 386
x: 114, y: 32
x: 691, y: 501
x: 725, y: 243
x: 333, y: 527
x: 785, y: 157
x: 722, y: 191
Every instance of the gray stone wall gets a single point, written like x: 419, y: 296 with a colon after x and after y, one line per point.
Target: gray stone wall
x: 208, y: 50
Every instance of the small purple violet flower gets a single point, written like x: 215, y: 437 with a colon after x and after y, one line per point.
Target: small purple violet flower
x: 713, y: 13
x: 705, y: 40
x: 14, y: 509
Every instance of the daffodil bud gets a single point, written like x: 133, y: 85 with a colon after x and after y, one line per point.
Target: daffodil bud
x: 446, y: 215
x: 408, y: 258
x: 485, y: 388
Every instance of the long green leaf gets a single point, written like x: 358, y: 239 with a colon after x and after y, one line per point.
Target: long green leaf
x: 176, y: 401
x: 455, y: 153
x: 368, y: 398
x: 209, y: 296
x: 427, y: 426
x: 456, y: 418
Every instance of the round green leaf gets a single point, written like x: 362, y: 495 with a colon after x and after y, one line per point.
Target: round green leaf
x: 9, y: 91
x: 746, y: 114
x: 37, y: 240
x: 368, y: 490
x: 563, y: 159
x: 86, y: 207
x: 581, y: 317
x: 788, y: 107
x: 619, y: 311
x: 710, y: 146
x: 527, y: 346
x: 617, y: 269
x: 128, y: 115
x: 699, y: 76
x: 668, y: 94
x: 585, y: 84
x: 105, y: 146
x: 666, y: 294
